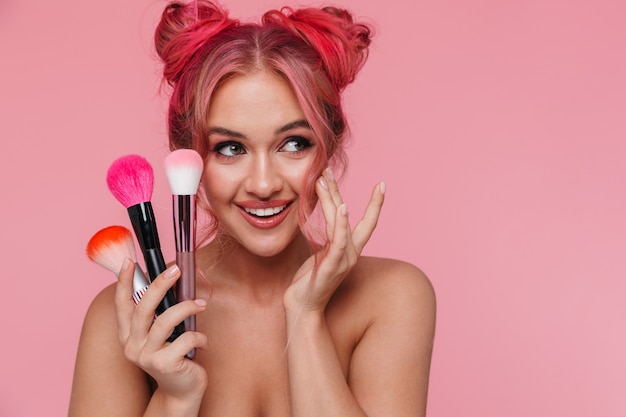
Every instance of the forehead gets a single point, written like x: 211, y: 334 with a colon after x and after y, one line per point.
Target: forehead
x: 254, y: 101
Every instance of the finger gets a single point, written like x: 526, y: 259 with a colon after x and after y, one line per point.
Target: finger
x: 185, y: 343
x: 333, y: 187
x: 164, y: 325
x: 124, y: 304
x: 331, y: 264
x: 329, y: 208
x: 365, y: 227
x: 143, y: 316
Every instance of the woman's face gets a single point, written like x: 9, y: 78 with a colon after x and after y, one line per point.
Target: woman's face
x: 260, y: 149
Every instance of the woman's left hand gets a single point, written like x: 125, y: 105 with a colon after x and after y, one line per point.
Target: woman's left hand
x: 312, y: 286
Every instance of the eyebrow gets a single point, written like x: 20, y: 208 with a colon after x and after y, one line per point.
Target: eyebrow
x: 225, y: 132
x: 228, y: 132
x: 293, y: 125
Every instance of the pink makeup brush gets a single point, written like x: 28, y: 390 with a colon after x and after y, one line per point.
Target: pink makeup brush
x: 109, y: 248
x: 131, y: 180
x: 183, y: 168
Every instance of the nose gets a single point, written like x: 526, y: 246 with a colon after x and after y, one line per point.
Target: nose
x: 264, y: 179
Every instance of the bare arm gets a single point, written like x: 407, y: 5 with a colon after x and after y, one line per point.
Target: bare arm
x: 388, y: 373
x: 389, y: 369
x: 390, y: 366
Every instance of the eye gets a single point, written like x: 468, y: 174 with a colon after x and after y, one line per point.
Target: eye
x: 296, y: 144
x: 229, y: 149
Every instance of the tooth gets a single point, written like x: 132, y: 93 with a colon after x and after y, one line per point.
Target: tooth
x: 265, y: 212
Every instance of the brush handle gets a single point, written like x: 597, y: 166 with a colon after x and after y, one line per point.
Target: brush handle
x: 186, y: 286
x: 144, y: 224
x: 184, y: 213
x: 184, y: 216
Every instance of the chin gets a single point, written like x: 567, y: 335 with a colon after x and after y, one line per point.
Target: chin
x: 267, y: 244
x: 267, y: 247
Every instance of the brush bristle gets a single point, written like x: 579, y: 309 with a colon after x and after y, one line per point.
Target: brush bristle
x: 131, y: 180
x: 183, y: 168
x: 110, y: 246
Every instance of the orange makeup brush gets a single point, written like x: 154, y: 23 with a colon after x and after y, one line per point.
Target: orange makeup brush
x: 109, y: 248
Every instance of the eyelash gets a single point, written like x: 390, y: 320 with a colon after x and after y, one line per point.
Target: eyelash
x: 222, y: 145
x: 300, y: 141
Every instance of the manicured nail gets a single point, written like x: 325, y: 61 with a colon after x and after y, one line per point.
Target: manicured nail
x: 329, y: 174
x: 200, y: 302
x: 323, y: 183
x: 344, y: 209
x: 171, y: 271
x: 126, y: 264
x: 383, y: 187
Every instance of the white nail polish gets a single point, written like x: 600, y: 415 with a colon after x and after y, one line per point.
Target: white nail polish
x: 329, y: 174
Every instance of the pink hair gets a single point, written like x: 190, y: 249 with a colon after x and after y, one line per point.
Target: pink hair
x: 318, y: 51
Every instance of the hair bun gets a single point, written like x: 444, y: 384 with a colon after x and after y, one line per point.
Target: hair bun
x: 341, y: 43
x: 183, y: 29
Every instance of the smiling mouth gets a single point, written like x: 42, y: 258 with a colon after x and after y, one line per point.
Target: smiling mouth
x: 265, y: 212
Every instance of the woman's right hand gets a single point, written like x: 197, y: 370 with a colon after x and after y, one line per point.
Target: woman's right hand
x: 144, y: 337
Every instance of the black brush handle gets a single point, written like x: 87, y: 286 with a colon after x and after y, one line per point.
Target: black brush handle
x: 144, y: 224
x: 155, y: 265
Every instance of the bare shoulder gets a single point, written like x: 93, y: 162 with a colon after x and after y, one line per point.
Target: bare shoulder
x: 100, y: 320
x: 386, y: 294
x: 103, y: 302
x: 101, y: 364
x: 389, y: 282
x: 381, y: 269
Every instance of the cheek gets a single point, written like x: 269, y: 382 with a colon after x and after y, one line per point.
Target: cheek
x: 216, y: 184
x: 298, y: 174
x: 296, y: 178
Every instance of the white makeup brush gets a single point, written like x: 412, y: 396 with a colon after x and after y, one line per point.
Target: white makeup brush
x: 109, y: 248
x: 183, y: 168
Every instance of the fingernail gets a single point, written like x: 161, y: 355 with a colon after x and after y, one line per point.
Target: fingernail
x: 383, y: 187
x: 344, y: 209
x: 171, y: 271
x: 329, y: 174
x: 200, y: 302
x: 323, y: 183
x: 126, y: 264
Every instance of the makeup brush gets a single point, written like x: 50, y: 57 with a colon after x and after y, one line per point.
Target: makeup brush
x: 183, y: 168
x: 109, y: 247
x: 131, y: 180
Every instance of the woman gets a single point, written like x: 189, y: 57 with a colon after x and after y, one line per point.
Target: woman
x: 286, y: 326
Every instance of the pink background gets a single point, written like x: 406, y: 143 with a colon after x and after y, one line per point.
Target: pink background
x: 499, y: 126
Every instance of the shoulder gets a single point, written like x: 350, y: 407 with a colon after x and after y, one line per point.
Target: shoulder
x: 380, y: 290
x: 101, y: 312
x: 384, y: 280
x: 388, y: 310
x: 99, y: 332
x: 101, y: 364
x: 386, y: 268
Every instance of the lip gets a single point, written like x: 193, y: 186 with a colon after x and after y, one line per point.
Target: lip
x: 268, y: 222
